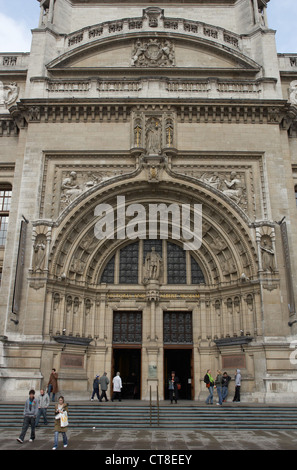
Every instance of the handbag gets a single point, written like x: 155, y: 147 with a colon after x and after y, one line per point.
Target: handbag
x: 64, y: 419
x: 208, y: 385
x: 178, y: 386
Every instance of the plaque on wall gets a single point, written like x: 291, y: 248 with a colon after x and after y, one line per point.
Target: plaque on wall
x: 72, y: 360
x: 234, y: 362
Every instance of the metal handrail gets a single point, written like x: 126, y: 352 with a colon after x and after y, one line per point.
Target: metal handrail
x: 150, y: 405
x: 158, y: 407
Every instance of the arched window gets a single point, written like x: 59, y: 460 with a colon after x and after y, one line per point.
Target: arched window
x: 5, y: 198
x: 179, y: 267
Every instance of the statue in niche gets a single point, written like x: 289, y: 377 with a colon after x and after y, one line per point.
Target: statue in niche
x: 235, y: 188
x: 152, y: 266
x: 268, y: 261
x: 39, y: 253
x: 153, y: 137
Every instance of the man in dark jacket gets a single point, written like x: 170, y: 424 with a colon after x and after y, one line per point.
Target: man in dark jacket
x: 30, y: 413
x: 96, y: 388
x: 104, y: 381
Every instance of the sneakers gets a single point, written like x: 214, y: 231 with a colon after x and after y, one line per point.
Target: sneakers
x: 20, y: 440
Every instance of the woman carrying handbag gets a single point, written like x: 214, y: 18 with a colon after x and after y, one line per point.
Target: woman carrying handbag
x: 61, y: 422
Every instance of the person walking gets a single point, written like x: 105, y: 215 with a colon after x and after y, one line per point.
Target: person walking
x: 225, y: 383
x: 173, y: 388
x: 30, y: 413
x: 104, y: 381
x: 43, y: 402
x: 61, y: 422
x: 209, y: 381
x: 96, y: 388
x: 237, y: 386
x: 218, y: 384
x: 52, y: 386
x: 117, y: 387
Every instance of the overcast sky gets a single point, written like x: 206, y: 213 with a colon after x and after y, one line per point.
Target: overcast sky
x: 18, y: 17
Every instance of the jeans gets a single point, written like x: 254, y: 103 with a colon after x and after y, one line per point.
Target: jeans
x: 96, y: 392
x: 41, y: 412
x: 28, y: 421
x: 219, y: 390
x: 56, y: 439
x: 224, y: 393
x: 210, y: 396
x: 50, y: 387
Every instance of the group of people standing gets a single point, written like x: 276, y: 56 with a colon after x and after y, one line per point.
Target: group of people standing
x: 221, y: 383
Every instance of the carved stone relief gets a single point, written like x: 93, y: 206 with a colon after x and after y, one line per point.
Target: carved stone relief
x: 293, y: 92
x: 8, y: 94
x: 67, y: 178
x: 153, y: 132
x: 153, y: 52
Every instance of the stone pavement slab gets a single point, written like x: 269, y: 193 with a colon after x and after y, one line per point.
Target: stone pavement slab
x: 152, y: 440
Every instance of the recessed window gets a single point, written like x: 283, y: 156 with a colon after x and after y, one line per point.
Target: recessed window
x: 5, y: 199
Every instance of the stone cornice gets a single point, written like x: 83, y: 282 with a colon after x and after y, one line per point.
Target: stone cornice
x: 94, y: 110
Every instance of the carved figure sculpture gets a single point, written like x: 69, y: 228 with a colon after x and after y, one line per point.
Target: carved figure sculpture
x: 268, y: 261
x: 152, y: 265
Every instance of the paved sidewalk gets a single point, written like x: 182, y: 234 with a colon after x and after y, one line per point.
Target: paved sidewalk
x: 152, y: 440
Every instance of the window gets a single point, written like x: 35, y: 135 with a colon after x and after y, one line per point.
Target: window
x: 178, y: 267
x: 296, y: 194
x: 177, y: 327
x: 127, y: 327
x: 5, y: 198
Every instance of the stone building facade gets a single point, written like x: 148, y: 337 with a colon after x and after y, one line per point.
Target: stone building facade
x: 136, y: 107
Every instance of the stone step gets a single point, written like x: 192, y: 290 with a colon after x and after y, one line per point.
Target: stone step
x: 111, y: 416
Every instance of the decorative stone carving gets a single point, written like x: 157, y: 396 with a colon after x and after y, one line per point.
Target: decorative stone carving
x: 293, y: 92
x: 153, y: 15
x: 39, y: 256
x: 153, y: 53
x: 234, y: 188
x: 8, y: 94
x: 268, y: 261
x: 153, y: 136
x: 152, y: 266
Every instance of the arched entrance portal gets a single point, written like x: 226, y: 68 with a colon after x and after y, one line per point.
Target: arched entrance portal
x: 147, y: 318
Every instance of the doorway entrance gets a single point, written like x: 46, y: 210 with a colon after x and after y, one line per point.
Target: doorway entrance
x: 127, y: 361
x: 179, y: 360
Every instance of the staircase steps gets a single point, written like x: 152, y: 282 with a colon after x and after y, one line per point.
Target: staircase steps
x: 138, y: 416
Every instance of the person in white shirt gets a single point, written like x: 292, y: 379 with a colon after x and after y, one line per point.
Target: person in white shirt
x: 117, y: 387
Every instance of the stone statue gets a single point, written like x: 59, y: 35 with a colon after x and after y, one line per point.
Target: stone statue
x: 39, y: 255
x: 153, y: 137
x: 268, y: 261
x: 152, y: 267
